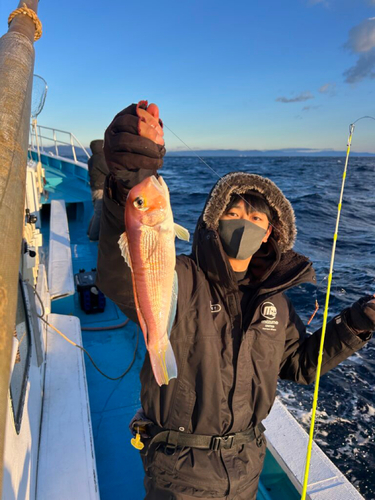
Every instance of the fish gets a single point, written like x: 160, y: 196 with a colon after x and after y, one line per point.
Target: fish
x: 148, y: 247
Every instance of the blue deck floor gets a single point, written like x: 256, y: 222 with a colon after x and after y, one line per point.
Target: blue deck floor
x: 113, y: 403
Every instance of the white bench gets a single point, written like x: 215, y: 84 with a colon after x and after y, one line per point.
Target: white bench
x: 66, y: 464
x: 60, y: 267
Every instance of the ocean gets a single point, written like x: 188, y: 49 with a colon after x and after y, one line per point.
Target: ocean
x: 346, y: 408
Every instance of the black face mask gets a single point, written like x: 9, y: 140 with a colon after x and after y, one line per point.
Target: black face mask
x: 240, y: 238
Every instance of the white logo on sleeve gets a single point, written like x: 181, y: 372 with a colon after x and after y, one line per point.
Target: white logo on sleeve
x: 269, y: 310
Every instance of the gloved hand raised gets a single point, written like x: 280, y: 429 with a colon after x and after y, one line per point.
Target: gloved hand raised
x: 361, y: 315
x: 149, y: 125
x: 134, y: 139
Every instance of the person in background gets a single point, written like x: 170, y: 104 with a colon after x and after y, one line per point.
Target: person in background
x: 98, y: 170
x: 235, y: 332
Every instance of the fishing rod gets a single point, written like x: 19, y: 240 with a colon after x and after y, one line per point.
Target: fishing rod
x: 325, y: 314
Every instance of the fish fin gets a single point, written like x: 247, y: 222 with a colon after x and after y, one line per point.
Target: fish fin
x: 173, y: 306
x: 163, y: 363
x: 181, y: 232
x: 124, y: 247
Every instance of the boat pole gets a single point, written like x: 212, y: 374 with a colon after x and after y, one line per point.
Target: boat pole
x: 16, y: 77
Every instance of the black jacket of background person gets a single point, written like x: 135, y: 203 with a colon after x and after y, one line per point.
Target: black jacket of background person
x: 231, y: 340
x: 97, y: 165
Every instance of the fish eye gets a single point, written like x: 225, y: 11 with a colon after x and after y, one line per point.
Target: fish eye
x: 139, y: 202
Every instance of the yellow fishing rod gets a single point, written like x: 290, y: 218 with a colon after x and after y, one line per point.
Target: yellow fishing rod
x: 325, y: 315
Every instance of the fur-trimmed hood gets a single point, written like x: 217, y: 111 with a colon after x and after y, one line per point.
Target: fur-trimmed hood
x: 276, y: 265
x: 284, y: 227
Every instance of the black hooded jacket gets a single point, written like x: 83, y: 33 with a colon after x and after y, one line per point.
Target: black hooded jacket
x: 232, y: 340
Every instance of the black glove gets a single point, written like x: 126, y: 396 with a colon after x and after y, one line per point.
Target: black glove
x: 361, y: 315
x: 127, y: 144
x: 139, y: 424
x: 133, y: 149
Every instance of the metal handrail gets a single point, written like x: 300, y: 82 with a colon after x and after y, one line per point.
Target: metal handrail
x: 37, y: 135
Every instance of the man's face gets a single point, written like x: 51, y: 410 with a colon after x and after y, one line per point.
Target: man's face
x: 238, y: 211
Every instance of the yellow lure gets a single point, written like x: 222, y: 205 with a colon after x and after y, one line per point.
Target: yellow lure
x: 136, y: 442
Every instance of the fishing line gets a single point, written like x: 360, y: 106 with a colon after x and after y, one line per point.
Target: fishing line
x: 362, y: 117
x: 316, y: 288
x: 214, y: 171
x: 194, y: 152
x: 325, y: 315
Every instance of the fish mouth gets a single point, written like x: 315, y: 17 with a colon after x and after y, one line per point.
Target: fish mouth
x: 159, y: 184
x: 156, y: 182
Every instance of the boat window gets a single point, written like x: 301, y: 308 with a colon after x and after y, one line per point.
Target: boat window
x: 18, y: 382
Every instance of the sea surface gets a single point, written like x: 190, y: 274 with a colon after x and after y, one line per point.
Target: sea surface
x: 346, y: 410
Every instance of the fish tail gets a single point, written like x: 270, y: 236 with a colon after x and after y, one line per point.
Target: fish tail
x: 163, y: 363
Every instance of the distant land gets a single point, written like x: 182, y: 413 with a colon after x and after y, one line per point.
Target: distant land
x: 67, y: 151
x: 268, y: 152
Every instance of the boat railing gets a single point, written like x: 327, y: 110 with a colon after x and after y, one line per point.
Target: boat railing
x: 48, y: 140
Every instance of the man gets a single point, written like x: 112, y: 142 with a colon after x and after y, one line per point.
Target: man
x: 235, y: 330
x: 98, y: 171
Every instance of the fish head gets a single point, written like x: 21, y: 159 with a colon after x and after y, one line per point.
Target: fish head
x: 148, y: 202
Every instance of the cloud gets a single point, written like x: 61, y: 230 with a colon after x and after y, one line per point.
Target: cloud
x: 361, y: 41
x: 364, y: 68
x: 328, y: 89
x: 304, y: 96
x: 362, y: 37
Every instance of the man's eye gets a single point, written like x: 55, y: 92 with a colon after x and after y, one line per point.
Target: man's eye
x: 232, y: 214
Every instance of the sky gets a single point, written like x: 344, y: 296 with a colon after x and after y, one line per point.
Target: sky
x: 242, y: 75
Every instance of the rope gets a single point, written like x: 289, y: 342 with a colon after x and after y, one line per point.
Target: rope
x: 40, y: 316
x: 90, y: 358
x: 325, y: 316
x: 30, y: 13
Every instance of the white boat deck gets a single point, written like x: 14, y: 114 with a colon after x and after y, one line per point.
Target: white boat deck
x: 67, y: 467
x: 287, y: 441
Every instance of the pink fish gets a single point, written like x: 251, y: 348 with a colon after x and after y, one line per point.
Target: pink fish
x: 148, y: 248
